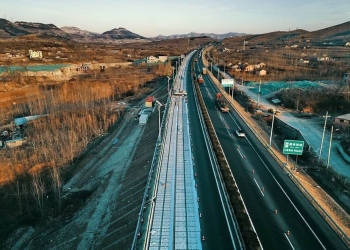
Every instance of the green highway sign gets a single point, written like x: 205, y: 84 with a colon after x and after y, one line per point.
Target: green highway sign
x: 293, y: 147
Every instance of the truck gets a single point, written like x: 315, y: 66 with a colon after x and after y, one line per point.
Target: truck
x: 204, y: 71
x: 200, y: 79
x: 222, y: 103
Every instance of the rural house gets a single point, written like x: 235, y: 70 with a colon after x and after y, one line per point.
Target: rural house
x: 262, y: 72
x: 260, y: 65
x: 249, y: 68
x: 343, y: 120
x: 35, y: 54
x: 151, y: 59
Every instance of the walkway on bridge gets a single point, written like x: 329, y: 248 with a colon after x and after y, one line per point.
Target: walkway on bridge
x: 175, y: 224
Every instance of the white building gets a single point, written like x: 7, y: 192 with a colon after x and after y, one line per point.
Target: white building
x: 151, y: 59
x: 347, y: 44
x: 262, y: 72
x: 162, y: 58
x: 35, y: 54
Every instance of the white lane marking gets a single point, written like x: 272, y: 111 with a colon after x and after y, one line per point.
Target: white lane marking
x: 239, y: 151
x: 296, y: 209
x: 290, y: 243
x: 259, y: 187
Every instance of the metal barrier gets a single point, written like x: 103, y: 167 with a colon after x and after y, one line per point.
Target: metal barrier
x: 330, y: 221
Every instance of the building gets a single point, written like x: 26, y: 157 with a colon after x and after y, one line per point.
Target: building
x: 152, y: 59
x: 162, y: 58
x: 143, y: 119
x: 249, y: 68
x: 342, y: 120
x: 347, y: 44
x: 262, y: 72
x: 149, y: 102
x: 260, y: 65
x: 35, y: 54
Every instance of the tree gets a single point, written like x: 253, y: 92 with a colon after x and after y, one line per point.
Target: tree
x: 38, y: 191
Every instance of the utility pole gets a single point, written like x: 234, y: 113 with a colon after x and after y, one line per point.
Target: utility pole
x: 259, y: 93
x: 324, y: 129
x: 330, y: 146
x: 168, y: 86
x: 159, y: 133
x: 273, y: 121
x: 298, y: 101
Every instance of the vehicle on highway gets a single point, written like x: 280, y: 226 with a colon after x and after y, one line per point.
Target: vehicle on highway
x: 204, y: 71
x: 240, y: 133
x: 200, y: 79
x: 222, y: 103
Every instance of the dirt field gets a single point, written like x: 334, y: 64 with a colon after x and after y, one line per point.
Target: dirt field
x: 105, y: 191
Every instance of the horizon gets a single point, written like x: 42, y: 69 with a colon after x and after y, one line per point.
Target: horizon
x: 169, y: 18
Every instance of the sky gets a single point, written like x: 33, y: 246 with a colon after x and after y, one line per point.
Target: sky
x: 151, y: 18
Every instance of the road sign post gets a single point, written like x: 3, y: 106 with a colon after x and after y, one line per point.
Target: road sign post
x: 293, y: 147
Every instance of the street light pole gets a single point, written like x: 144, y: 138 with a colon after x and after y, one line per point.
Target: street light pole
x: 168, y: 85
x: 330, y: 146
x: 273, y: 121
x: 259, y: 93
x: 324, y: 129
x: 159, y: 106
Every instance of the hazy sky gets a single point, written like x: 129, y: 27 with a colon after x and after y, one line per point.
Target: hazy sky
x: 156, y: 17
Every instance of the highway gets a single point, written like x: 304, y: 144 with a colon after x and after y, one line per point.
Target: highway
x: 268, y: 188
x: 216, y: 221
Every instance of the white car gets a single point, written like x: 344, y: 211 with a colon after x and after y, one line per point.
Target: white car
x: 240, y: 133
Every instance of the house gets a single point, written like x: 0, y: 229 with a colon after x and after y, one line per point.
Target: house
x: 343, y: 119
x: 347, y: 44
x: 262, y: 72
x: 347, y: 77
x: 260, y: 65
x: 151, y: 59
x: 236, y: 67
x: 35, y: 54
x: 304, y: 61
x: 249, y: 68
x: 162, y: 58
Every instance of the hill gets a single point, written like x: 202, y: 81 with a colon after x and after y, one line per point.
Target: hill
x: 194, y: 34
x: 9, y: 29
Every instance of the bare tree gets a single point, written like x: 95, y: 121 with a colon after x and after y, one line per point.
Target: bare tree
x: 57, y: 185
x: 38, y: 191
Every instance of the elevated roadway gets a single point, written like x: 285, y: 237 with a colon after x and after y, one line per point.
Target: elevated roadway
x: 268, y: 188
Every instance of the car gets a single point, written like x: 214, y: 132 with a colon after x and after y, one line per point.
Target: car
x: 240, y: 133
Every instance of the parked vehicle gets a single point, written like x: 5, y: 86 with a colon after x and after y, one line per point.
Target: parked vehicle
x: 204, y: 71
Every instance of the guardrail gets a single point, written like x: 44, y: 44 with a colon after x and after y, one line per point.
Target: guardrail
x: 155, y: 162
x: 250, y: 236
x: 225, y: 193
x: 314, y: 202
